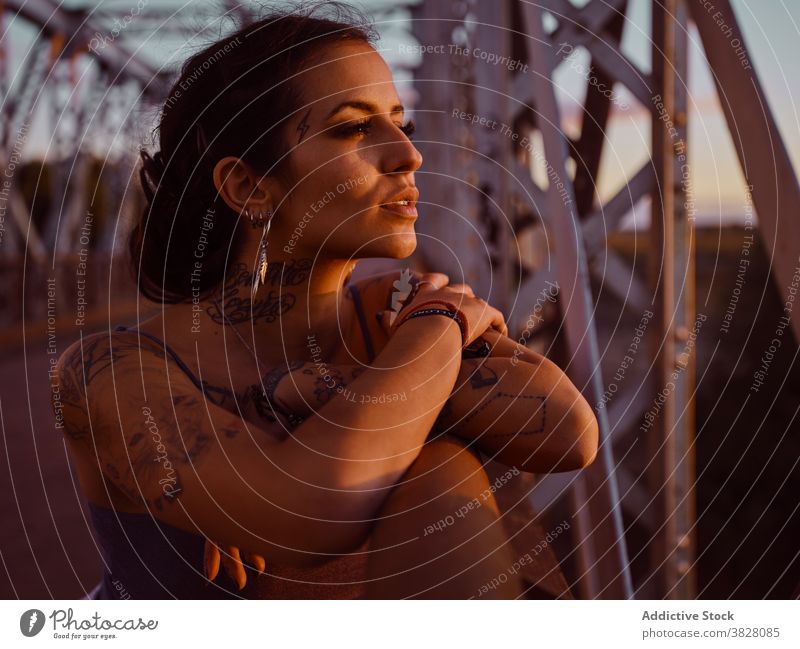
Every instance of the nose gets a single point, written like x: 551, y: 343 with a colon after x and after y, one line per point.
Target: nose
x: 400, y: 155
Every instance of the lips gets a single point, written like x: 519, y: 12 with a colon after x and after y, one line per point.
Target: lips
x: 409, y: 210
x: 403, y: 203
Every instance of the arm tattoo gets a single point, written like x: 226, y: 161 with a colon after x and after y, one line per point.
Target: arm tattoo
x: 263, y: 398
x: 538, y: 405
x: 79, y: 368
x: 169, y: 436
x: 168, y: 433
x: 328, y: 385
x: 478, y: 348
x: 482, y: 376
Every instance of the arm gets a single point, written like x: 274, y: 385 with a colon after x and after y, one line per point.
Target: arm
x: 522, y: 414
x: 505, y: 347
x: 518, y: 406
x: 201, y: 468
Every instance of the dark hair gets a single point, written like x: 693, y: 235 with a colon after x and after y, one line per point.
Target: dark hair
x: 224, y: 90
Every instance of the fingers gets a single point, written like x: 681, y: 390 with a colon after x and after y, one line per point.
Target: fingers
x: 462, y: 288
x: 232, y: 562
x: 480, y: 315
x: 257, y: 561
x: 231, y: 559
x: 437, y: 279
x: 211, y: 556
x: 491, y: 319
x: 495, y: 317
x: 498, y: 321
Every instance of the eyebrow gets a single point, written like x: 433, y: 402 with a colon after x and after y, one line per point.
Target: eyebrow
x: 363, y: 105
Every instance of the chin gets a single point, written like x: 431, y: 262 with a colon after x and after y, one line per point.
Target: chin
x: 399, y: 246
x: 373, y: 242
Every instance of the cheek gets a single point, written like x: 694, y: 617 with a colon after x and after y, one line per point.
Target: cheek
x: 337, y: 198
x: 350, y: 195
x: 344, y: 184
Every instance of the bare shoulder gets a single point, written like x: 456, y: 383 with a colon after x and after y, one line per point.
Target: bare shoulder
x: 139, y: 421
x: 378, y: 291
x: 385, y: 292
x: 77, y: 370
x: 93, y: 357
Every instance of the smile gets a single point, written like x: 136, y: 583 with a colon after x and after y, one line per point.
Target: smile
x: 402, y: 208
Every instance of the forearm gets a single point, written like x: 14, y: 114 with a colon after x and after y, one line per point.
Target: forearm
x: 504, y: 347
x: 521, y: 414
x: 364, y: 445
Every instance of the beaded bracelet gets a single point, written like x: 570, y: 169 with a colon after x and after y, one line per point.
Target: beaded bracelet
x: 443, y: 304
x: 455, y: 314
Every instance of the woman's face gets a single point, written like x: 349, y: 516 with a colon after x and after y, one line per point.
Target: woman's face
x: 349, y: 155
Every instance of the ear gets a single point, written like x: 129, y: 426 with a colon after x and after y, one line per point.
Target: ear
x: 240, y: 186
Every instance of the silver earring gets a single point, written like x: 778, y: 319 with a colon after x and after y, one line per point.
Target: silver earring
x: 260, y: 276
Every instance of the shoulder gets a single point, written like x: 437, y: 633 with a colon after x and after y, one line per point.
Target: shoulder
x: 93, y: 354
x: 100, y: 362
x: 377, y: 291
x: 71, y: 375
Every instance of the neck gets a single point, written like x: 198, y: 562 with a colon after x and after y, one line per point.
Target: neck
x: 301, y: 297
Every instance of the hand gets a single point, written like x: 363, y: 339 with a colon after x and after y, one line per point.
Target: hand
x: 231, y: 560
x: 480, y: 316
x: 437, y: 280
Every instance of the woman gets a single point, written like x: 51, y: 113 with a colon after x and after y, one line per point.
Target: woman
x: 269, y: 406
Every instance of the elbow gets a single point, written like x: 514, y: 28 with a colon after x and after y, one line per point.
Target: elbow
x: 581, y: 434
x: 588, y: 440
x: 587, y: 436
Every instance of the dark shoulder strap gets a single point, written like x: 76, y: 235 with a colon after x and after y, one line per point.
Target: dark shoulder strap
x: 362, y: 321
x: 170, y: 351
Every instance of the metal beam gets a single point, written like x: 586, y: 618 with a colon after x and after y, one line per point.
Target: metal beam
x: 762, y: 154
x: 602, y: 542
x: 53, y: 19
x: 671, y: 473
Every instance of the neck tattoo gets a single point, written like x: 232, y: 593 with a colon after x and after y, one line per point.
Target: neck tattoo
x: 235, y: 305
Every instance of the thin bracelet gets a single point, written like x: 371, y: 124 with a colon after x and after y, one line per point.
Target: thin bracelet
x: 433, y: 311
x: 434, y: 303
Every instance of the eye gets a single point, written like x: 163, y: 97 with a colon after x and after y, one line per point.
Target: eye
x: 409, y: 129
x: 365, y: 125
x: 355, y: 127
